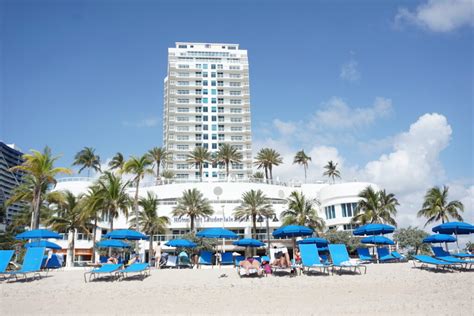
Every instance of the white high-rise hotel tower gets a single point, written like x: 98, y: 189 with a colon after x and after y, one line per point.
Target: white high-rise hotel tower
x: 207, y: 103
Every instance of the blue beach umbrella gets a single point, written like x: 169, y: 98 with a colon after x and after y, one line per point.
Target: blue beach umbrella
x: 112, y: 243
x: 373, y: 229
x: 377, y: 240
x: 439, y: 238
x: 38, y: 234
x: 457, y: 228
x: 248, y: 242
x: 184, y: 243
x: 217, y: 233
x: 43, y: 243
x: 128, y: 234
x: 320, y: 242
x: 292, y: 231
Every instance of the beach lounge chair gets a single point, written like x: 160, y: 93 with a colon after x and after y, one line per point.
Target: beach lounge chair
x: 364, y: 255
x: 442, y: 254
x: 237, y: 260
x: 171, y: 262
x: 427, y: 261
x: 184, y: 261
x: 384, y: 255
x: 227, y: 258
x: 276, y: 268
x: 31, y: 263
x: 107, y: 269
x: 341, y: 260
x: 205, y: 258
x: 463, y: 255
x: 5, y: 258
x: 141, y: 269
x: 310, y: 259
x: 398, y: 256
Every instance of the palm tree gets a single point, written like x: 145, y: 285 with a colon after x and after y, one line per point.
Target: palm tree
x: 331, y: 171
x: 194, y: 205
x: 226, y: 155
x: 140, y: 167
x: 113, y: 195
x: 302, y: 159
x: 253, y: 204
x: 40, y: 168
x: 302, y: 211
x: 92, y: 210
x: 68, y: 218
x: 267, y: 158
x: 199, y: 156
x: 149, y: 221
x: 376, y: 207
x: 159, y: 155
x: 117, y: 162
x: 436, y: 206
x: 87, y: 159
x: 258, y: 175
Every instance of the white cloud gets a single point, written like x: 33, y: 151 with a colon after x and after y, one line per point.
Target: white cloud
x: 350, y: 71
x: 439, y: 15
x: 285, y: 128
x: 338, y: 115
x: 147, y: 122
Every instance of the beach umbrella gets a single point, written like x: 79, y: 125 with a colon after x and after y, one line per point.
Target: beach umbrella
x: 112, y: 243
x: 292, y: 231
x: 38, y: 234
x: 457, y: 228
x: 43, y: 243
x: 377, y: 240
x: 320, y: 242
x: 248, y: 242
x: 184, y: 243
x: 373, y: 229
x: 127, y: 234
x: 217, y: 233
x: 439, y: 238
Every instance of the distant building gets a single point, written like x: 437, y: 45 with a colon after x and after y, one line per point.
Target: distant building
x: 207, y: 104
x: 10, y: 156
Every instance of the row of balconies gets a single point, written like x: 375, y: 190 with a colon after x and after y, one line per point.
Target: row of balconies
x: 194, y: 130
x: 227, y: 111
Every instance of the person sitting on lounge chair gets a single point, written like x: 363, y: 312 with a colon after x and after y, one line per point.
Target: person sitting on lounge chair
x: 135, y: 259
x: 250, y: 263
x: 112, y: 259
x: 282, y: 258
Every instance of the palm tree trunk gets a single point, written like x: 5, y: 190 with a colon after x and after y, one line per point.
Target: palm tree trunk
x: 111, y: 220
x: 135, y: 205
x: 227, y: 170
x: 150, y: 249
x: 70, y: 249
x: 192, y: 223
x: 304, y: 174
x: 200, y: 171
x: 36, y: 208
x: 266, y: 173
x: 254, y: 222
x: 94, y: 235
x: 157, y: 170
x: 271, y: 172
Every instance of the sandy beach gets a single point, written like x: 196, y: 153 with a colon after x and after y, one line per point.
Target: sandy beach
x: 385, y: 289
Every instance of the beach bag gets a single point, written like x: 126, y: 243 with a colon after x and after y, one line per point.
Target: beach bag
x: 267, y: 269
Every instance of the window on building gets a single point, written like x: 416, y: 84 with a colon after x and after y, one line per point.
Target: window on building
x: 330, y: 212
x: 205, y: 109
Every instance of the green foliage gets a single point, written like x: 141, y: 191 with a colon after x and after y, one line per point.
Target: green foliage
x: 267, y: 158
x: 302, y: 211
x: 376, y: 207
x: 253, y: 204
x: 343, y: 237
x: 228, y: 154
x: 410, y: 239
x: 87, y: 159
x: 469, y: 247
x: 437, y: 208
x: 198, y: 157
x: 203, y: 244
x: 302, y: 159
x: 193, y: 205
x: 117, y: 162
x: 331, y: 171
x: 159, y: 155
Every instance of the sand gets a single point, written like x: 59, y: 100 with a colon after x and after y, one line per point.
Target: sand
x: 385, y: 289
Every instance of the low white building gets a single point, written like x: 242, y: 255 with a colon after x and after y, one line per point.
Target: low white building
x: 337, y: 203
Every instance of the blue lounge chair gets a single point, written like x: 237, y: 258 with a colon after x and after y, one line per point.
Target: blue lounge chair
x: 184, y: 261
x: 227, y: 258
x: 106, y: 269
x: 237, y: 260
x: 384, y: 255
x: 31, y: 263
x: 310, y: 259
x: 205, y: 258
x: 442, y: 254
x: 340, y: 259
x: 463, y: 255
x: 141, y: 269
x: 427, y: 260
x: 5, y: 258
x: 364, y: 255
x: 398, y: 256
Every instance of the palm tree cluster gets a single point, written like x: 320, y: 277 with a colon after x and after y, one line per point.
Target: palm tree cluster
x: 436, y: 206
x: 267, y: 158
x: 376, y: 207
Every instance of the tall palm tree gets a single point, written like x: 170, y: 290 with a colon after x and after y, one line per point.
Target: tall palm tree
x: 68, y: 218
x: 113, y: 194
x: 167, y: 174
x: 331, y: 171
x: 199, y: 156
x: 302, y: 211
x: 375, y: 207
x: 194, y: 205
x: 302, y: 159
x: 117, y: 162
x: 149, y: 221
x: 226, y: 155
x: 437, y: 208
x: 159, y: 155
x: 139, y: 166
x: 93, y: 210
x: 253, y: 204
x: 40, y: 168
x: 267, y: 158
x: 87, y: 159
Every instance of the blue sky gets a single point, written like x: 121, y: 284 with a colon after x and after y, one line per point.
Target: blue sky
x: 90, y: 73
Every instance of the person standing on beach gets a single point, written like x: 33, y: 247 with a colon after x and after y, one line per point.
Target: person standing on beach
x: 157, y: 255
